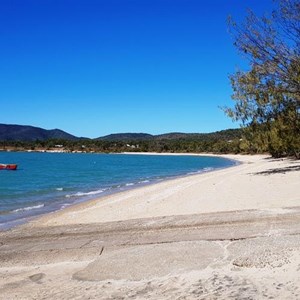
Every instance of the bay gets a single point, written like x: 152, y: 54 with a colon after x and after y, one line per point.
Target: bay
x: 46, y: 182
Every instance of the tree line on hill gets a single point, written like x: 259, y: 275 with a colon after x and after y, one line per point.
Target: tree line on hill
x: 225, y: 141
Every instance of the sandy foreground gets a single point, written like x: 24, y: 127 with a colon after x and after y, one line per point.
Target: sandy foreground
x: 228, y: 234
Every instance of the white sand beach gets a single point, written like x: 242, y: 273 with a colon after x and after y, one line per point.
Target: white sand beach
x: 259, y: 182
x: 228, y: 234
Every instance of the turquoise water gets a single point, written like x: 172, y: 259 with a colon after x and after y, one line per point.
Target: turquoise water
x: 47, y: 182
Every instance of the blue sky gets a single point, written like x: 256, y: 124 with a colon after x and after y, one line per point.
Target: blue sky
x: 97, y: 67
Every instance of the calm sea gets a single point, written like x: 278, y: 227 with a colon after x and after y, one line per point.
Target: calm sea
x: 46, y: 182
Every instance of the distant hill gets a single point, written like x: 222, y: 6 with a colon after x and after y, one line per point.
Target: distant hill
x: 223, y: 134
x: 126, y: 137
x: 218, y: 135
x: 31, y: 133
x: 226, y: 134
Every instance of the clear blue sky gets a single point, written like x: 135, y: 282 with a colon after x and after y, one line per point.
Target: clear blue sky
x: 97, y: 67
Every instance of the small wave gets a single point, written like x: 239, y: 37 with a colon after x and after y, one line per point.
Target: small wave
x: 65, y: 205
x: 59, y: 189
x: 201, y: 171
x: 144, y: 181
x: 208, y: 169
x: 193, y: 173
x: 28, y: 208
x: 129, y: 184
x: 81, y: 194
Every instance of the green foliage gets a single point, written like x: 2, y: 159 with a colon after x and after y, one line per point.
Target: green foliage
x: 226, y: 141
x: 267, y: 97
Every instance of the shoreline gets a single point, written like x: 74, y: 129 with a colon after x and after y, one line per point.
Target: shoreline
x: 45, y: 210
x: 227, y: 234
x: 164, y: 198
x: 84, y: 203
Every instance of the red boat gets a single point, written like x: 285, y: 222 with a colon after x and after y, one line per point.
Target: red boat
x: 8, y: 167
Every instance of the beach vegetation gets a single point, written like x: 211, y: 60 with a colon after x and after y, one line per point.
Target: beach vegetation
x: 267, y: 95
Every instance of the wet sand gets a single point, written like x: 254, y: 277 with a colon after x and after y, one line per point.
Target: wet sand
x: 228, y: 234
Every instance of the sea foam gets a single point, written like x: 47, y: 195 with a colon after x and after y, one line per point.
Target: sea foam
x: 28, y: 208
x: 82, y: 194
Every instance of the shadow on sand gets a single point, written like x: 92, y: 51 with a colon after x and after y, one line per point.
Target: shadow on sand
x: 279, y: 170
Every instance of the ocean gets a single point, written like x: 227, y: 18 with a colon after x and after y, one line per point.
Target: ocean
x: 46, y: 182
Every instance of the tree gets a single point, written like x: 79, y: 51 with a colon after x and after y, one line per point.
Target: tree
x: 267, y: 96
